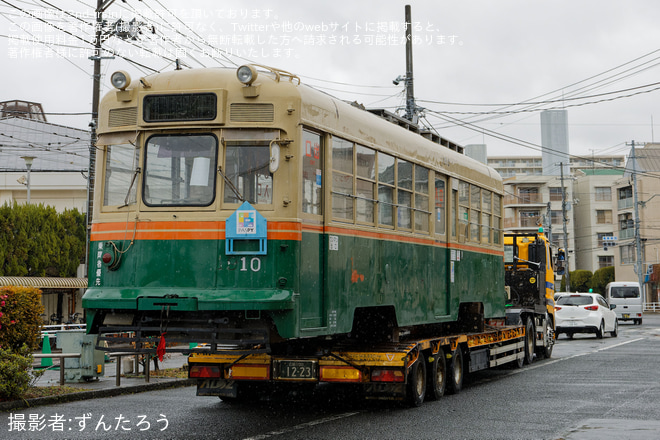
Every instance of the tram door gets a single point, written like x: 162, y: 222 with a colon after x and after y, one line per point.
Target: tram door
x: 312, y: 252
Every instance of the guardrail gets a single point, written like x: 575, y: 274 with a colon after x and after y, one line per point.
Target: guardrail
x: 652, y: 307
x: 61, y: 357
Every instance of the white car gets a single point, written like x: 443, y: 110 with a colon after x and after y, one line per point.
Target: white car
x: 585, y: 313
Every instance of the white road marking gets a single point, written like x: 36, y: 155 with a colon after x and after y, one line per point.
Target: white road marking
x: 302, y: 426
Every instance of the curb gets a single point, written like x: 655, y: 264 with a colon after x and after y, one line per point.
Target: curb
x: 94, y: 394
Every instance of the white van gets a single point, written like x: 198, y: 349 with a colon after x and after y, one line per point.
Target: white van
x: 628, y: 299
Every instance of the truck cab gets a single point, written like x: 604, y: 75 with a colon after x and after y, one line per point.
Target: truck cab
x: 530, y: 284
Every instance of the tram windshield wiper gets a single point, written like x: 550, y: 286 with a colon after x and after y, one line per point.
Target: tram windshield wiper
x: 231, y: 185
x: 130, y: 187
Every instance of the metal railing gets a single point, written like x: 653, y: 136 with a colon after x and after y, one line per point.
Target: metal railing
x: 652, y: 307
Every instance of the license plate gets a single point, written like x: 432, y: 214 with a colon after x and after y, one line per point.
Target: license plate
x: 626, y: 315
x: 297, y: 370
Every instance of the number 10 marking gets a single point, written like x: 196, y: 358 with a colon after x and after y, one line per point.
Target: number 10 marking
x: 255, y: 264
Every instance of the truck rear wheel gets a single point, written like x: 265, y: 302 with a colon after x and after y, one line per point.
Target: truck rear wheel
x: 545, y: 351
x: 530, y: 338
x: 455, y: 372
x: 416, y: 388
x: 437, y: 378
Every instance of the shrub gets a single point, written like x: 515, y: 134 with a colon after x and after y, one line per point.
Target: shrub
x: 20, y: 318
x: 15, y: 377
x: 601, y: 278
x: 580, y: 280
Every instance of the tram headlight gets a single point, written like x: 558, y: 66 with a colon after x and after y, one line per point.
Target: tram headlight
x: 120, y: 79
x: 246, y: 74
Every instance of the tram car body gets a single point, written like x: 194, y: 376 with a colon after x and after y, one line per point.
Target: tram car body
x: 245, y: 208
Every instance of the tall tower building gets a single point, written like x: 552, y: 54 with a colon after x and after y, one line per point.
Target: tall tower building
x: 554, y: 140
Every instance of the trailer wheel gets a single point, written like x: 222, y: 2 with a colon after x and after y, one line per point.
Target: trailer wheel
x: 455, y: 372
x: 545, y: 351
x: 416, y: 388
x: 437, y: 378
x: 530, y: 338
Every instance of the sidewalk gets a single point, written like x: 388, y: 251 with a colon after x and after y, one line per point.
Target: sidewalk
x: 105, y: 386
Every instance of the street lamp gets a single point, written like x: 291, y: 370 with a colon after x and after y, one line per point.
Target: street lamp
x: 28, y: 163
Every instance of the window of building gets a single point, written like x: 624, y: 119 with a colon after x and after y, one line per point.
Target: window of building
x: 601, y: 235
x: 529, y: 195
x: 627, y: 254
x: 625, y: 197
x: 604, y: 216
x: 529, y: 219
x: 556, y: 217
x: 603, y: 194
x: 605, y: 261
x: 555, y: 194
x: 626, y: 225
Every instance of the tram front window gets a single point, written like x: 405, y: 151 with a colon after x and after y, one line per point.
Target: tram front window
x: 180, y: 170
x: 246, y: 167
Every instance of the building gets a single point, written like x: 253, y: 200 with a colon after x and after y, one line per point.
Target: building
x: 45, y: 163
x: 534, y: 201
x: 510, y: 166
x: 594, y: 218
x: 644, y: 167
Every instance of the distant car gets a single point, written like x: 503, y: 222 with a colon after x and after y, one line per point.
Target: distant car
x: 585, y: 313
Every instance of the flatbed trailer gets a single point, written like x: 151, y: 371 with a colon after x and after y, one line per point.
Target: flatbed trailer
x: 409, y: 370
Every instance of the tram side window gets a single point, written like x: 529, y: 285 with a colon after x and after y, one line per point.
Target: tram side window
x: 486, y: 207
x: 439, y: 206
x: 463, y: 209
x: 404, y: 194
x: 121, y: 162
x: 422, y: 212
x: 312, y: 192
x: 365, y: 160
x: 180, y: 170
x: 497, y: 219
x: 386, y: 176
x: 246, y: 167
x: 342, y: 179
x: 475, y: 207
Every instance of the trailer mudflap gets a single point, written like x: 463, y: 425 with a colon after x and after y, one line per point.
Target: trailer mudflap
x: 384, y: 391
x: 217, y: 387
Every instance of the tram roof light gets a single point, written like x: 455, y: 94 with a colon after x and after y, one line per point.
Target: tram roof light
x: 120, y: 79
x: 246, y: 74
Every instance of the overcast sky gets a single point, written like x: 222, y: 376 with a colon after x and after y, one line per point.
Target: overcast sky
x: 597, y: 59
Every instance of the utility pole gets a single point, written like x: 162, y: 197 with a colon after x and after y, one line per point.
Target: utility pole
x: 563, y: 213
x: 638, y: 241
x: 549, y: 228
x: 411, y: 107
x: 411, y: 110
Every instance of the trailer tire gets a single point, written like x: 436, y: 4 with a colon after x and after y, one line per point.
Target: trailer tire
x: 530, y: 339
x: 455, y: 372
x: 436, y: 381
x: 416, y: 387
x: 545, y: 351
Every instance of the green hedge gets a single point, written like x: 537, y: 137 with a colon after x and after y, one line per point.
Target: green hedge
x: 37, y: 241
